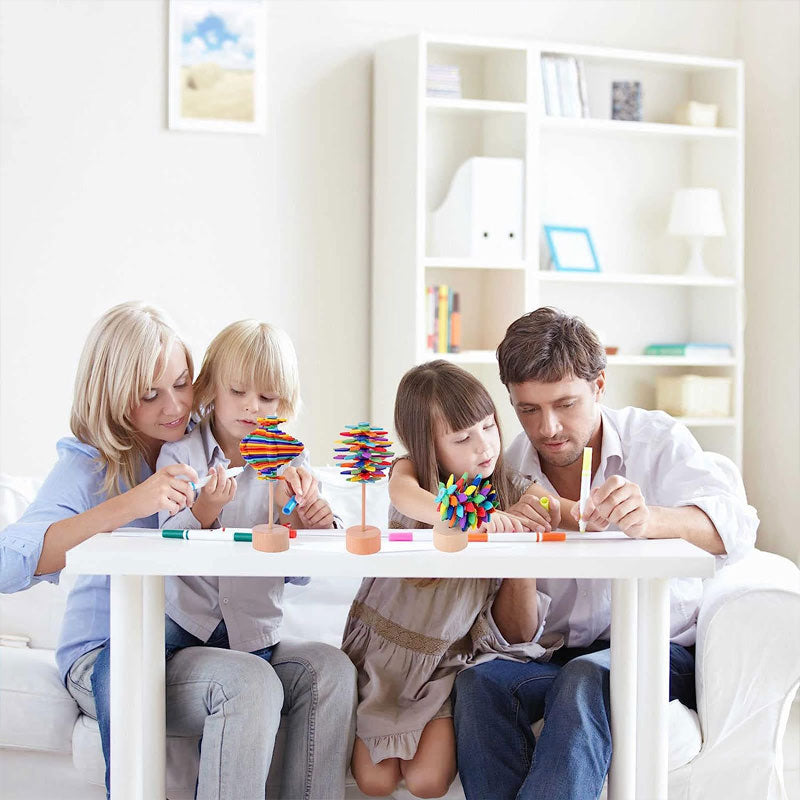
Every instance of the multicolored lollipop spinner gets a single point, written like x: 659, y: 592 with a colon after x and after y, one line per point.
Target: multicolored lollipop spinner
x: 267, y: 448
x: 366, y: 453
x: 466, y: 505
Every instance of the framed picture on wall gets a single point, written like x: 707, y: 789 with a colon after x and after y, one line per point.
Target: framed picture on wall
x: 571, y: 249
x: 217, y: 65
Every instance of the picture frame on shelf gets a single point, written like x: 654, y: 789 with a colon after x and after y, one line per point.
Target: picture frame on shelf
x: 217, y: 66
x: 571, y: 249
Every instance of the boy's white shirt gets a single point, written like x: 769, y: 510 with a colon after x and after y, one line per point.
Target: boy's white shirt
x: 659, y: 454
x: 250, y: 606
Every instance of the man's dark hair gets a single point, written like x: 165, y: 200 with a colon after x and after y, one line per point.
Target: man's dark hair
x: 548, y: 345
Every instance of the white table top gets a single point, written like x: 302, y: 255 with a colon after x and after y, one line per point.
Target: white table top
x: 319, y: 556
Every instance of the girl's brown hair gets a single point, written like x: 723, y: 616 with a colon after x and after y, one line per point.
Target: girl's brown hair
x: 439, y: 396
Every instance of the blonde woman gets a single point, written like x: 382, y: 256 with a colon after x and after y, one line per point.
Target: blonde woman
x: 250, y: 371
x: 133, y: 392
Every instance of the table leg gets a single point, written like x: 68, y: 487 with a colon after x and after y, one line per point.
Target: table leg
x: 154, y: 712
x: 126, y: 666
x: 653, y: 706
x: 622, y: 772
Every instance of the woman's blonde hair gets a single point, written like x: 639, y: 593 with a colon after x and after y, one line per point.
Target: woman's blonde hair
x: 440, y: 396
x: 124, y: 356
x: 256, y: 354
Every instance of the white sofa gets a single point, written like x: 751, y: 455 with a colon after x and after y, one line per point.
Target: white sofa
x: 748, y: 669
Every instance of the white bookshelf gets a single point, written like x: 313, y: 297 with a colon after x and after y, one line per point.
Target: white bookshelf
x: 613, y: 177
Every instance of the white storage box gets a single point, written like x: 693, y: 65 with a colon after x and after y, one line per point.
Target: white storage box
x: 694, y: 396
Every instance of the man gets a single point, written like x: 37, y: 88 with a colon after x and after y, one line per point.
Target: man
x: 650, y: 479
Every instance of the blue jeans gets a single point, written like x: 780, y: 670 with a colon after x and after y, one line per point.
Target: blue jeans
x: 497, y: 702
x: 175, y: 638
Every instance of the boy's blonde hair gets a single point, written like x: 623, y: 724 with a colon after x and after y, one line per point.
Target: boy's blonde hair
x: 440, y: 396
x: 256, y: 354
x: 124, y: 356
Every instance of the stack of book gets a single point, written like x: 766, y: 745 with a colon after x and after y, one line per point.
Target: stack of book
x: 699, y: 350
x: 444, y: 80
x: 443, y: 320
x: 564, y: 87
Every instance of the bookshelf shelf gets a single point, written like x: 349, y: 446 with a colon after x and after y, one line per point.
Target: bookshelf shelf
x: 443, y: 105
x: 645, y: 279
x: 615, y: 178
x: 668, y: 361
x: 612, y: 127
x: 469, y: 263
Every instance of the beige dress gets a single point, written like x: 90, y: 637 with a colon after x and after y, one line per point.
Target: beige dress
x: 409, y: 638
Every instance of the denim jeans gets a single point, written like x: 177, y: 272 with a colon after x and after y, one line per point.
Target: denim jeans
x: 497, y: 702
x: 235, y: 703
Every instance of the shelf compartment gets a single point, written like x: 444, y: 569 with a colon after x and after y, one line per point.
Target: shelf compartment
x: 471, y: 263
x: 442, y: 105
x: 490, y: 300
x: 488, y: 73
x: 667, y: 361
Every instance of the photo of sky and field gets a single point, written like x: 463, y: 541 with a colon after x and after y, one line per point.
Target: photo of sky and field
x: 217, y: 62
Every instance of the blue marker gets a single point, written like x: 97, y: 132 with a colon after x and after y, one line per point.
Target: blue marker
x: 290, y: 506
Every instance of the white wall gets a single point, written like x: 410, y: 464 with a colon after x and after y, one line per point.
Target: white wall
x: 769, y: 36
x: 100, y: 203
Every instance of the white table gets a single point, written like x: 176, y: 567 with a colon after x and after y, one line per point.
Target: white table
x: 639, y: 571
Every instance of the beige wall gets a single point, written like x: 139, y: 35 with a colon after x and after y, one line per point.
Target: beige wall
x: 100, y: 203
x: 768, y: 43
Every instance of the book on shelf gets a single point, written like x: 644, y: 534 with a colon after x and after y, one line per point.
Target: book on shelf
x: 702, y: 350
x: 443, y: 80
x: 443, y: 319
x: 564, y: 86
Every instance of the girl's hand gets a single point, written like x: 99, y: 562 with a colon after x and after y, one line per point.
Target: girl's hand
x: 316, y: 515
x: 504, y: 523
x: 167, y: 490
x: 532, y: 512
x: 301, y: 483
x: 218, y: 492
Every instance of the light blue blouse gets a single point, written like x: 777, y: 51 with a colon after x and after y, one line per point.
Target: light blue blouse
x: 72, y: 487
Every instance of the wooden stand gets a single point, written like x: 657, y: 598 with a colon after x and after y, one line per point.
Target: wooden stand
x: 270, y: 538
x: 447, y: 539
x: 363, y: 541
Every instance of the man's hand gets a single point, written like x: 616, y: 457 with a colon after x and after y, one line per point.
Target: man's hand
x: 620, y: 502
x: 532, y: 513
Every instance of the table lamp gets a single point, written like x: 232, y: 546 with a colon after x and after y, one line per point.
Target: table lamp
x: 696, y: 213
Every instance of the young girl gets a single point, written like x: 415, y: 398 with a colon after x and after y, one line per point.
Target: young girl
x: 409, y: 638
x: 133, y: 392
x: 250, y: 371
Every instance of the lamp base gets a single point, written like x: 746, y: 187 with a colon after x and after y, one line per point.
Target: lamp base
x: 362, y: 541
x: 270, y: 539
x: 696, y: 267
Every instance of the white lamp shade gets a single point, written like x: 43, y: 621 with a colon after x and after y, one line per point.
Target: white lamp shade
x: 696, y: 212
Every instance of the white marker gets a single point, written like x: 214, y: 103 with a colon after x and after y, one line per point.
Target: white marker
x: 229, y: 473
x: 586, y: 484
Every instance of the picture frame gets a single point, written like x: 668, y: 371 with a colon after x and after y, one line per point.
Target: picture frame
x: 571, y: 249
x: 217, y: 66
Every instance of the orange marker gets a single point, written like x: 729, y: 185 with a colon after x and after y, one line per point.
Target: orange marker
x: 527, y: 536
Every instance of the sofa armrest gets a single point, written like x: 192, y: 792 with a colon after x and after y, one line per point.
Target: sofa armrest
x: 748, y: 651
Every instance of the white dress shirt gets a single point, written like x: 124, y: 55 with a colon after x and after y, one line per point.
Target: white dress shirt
x: 661, y: 456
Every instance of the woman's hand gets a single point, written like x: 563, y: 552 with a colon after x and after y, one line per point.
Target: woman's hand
x: 167, y: 490
x: 216, y: 494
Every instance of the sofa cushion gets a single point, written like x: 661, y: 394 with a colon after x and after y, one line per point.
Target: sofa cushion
x: 36, y: 711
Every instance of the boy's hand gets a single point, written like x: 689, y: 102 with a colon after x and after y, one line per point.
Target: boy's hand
x: 297, y: 481
x: 532, y: 512
x: 218, y: 492
x: 316, y: 515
